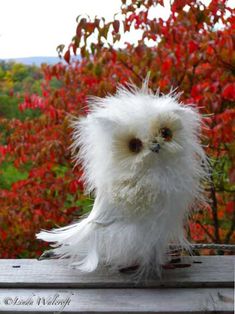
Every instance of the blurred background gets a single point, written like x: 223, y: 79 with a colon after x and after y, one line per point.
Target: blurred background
x: 52, y: 56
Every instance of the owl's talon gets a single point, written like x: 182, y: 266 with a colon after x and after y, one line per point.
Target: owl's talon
x: 168, y: 266
x: 176, y: 265
x: 128, y: 270
x: 175, y: 260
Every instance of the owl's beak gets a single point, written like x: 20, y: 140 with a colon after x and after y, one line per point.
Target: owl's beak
x: 155, y: 147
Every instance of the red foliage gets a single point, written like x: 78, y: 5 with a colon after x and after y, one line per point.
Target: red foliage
x: 229, y: 92
x: 190, y: 52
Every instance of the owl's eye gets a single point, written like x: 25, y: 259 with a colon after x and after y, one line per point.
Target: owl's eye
x: 166, y: 133
x: 135, y: 145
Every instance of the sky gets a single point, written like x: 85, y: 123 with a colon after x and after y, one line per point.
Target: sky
x: 36, y: 27
x: 31, y: 28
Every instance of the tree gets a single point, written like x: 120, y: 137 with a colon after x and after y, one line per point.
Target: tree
x: 193, y: 50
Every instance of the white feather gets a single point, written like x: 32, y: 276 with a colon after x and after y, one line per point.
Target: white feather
x: 142, y: 199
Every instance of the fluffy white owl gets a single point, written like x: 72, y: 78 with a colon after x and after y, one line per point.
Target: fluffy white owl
x: 142, y: 159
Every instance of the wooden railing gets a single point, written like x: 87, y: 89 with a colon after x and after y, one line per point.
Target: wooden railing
x: 31, y: 286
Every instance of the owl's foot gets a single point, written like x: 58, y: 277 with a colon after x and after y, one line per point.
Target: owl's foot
x: 175, y: 260
x: 175, y: 263
x: 47, y: 255
x: 129, y: 269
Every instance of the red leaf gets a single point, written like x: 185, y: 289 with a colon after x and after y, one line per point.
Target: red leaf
x: 166, y: 65
x: 210, y: 50
x: 178, y: 5
x: 193, y: 46
x: 3, y: 235
x: 67, y: 56
x: 229, y: 91
x: 230, y: 207
x: 232, y: 175
x: 116, y: 25
x: 73, y: 186
x: 74, y: 47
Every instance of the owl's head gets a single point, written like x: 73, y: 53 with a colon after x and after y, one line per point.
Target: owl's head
x: 137, y: 133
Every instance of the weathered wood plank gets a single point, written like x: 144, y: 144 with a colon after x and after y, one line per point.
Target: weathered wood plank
x: 207, y: 271
x: 161, y: 301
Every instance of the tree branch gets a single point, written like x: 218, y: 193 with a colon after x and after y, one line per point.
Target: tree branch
x: 206, y: 231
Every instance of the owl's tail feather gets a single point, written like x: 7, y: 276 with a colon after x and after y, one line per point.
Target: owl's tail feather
x: 77, y: 242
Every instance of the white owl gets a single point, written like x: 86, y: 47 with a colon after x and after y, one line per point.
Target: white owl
x: 143, y: 161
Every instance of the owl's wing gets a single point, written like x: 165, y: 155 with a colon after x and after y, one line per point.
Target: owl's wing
x: 103, y: 212
x: 79, y: 241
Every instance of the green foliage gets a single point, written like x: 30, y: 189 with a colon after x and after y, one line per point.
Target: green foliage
x: 83, y: 204
x: 16, y: 80
x: 15, y: 77
x: 9, y: 108
x: 9, y: 174
x: 60, y: 170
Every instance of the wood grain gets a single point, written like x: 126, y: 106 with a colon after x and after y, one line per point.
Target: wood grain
x: 207, y: 271
x: 161, y: 301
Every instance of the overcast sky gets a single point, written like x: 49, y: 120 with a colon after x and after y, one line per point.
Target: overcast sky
x: 36, y: 27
